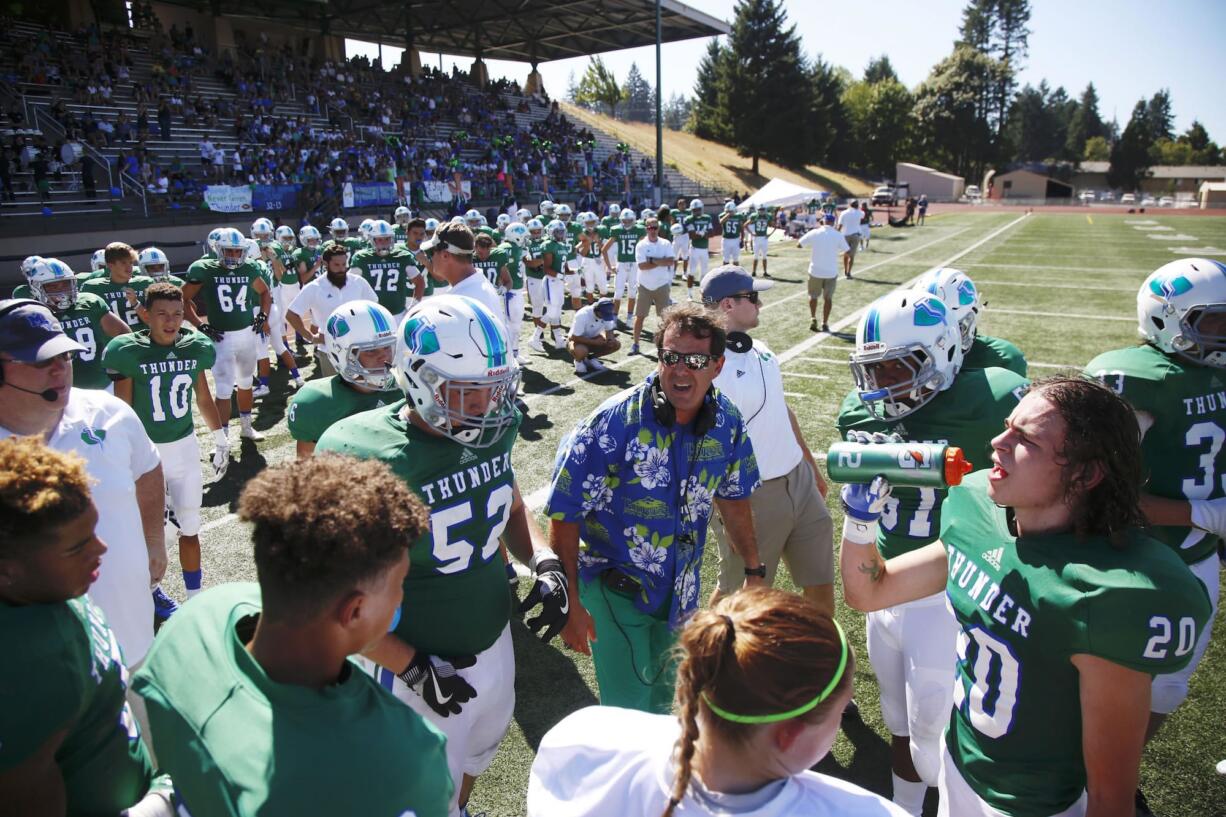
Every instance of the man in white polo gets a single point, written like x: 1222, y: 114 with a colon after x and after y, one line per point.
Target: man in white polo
x: 655, y: 260
x: 824, y: 244
x: 452, y: 247
x: 849, y: 225
x: 324, y: 294
x: 789, y: 510
x: 592, y: 335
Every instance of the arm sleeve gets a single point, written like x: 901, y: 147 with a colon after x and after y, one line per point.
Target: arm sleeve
x: 640, y: 253
x: 368, y: 291
x: 208, y: 352
x: 116, y: 359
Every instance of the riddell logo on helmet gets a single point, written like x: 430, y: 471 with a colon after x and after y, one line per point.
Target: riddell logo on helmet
x: 873, y: 346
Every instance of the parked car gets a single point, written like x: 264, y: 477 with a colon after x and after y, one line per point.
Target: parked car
x: 884, y: 195
x: 971, y: 193
x: 1148, y: 201
x: 1107, y: 195
x: 1166, y: 201
x: 1086, y: 196
x: 1128, y: 198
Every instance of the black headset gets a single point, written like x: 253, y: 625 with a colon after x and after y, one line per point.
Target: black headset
x: 9, y: 307
x: 666, y: 413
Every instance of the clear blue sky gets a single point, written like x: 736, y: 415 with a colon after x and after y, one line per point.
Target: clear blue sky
x: 1127, y: 48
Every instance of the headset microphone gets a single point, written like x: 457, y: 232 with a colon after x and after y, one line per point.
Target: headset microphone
x: 50, y: 395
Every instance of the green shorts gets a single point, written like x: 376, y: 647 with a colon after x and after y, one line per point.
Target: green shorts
x: 632, y: 651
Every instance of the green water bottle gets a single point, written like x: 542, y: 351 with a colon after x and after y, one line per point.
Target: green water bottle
x: 919, y: 465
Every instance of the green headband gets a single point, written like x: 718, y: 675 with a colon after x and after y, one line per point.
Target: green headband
x: 791, y: 713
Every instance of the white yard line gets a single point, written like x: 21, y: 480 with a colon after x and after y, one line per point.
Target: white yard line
x: 807, y: 375
x: 1053, y: 366
x: 1046, y: 284
x: 1077, y: 316
x: 1121, y: 270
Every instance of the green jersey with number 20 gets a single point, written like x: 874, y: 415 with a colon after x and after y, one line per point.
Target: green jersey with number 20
x: 968, y: 414
x: 456, y: 600
x: 225, y: 292
x: 1025, y: 607
x: 1184, y: 448
x: 163, y: 378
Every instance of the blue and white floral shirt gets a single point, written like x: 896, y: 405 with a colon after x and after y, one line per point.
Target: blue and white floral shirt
x: 643, y: 493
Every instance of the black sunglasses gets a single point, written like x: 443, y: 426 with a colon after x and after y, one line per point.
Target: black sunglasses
x: 697, y: 361
x: 752, y: 297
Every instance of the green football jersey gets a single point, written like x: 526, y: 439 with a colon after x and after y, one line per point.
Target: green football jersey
x: 536, y: 248
x: 225, y: 293
x: 698, y: 228
x: 491, y: 267
x: 610, y: 222
x: 116, y: 296
x: 1183, y: 449
x: 515, y: 262
x: 573, y: 229
x: 270, y: 281
x: 760, y: 225
x: 304, y: 261
x: 596, y: 240
x: 1027, y: 606
x: 83, y: 323
x: 456, y: 600
x: 390, y: 276
x: 968, y: 414
x: 163, y: 378
x: 733, y: 225
x: 627, y: 239
x: 67, y: 672
x: 320, y: 403
x: 286, y: 257
x: 237, y: 743
x: 560, y: 252
x: 355, y: 244
x: 400, y: 233
x: 988, y: 352
x: 23, y: 291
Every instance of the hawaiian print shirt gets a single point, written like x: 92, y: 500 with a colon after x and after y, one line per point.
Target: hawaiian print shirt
x: 643, y: 493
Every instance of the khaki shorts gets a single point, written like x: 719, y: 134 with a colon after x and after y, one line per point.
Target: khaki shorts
x: 649, y: 298
x: 792, y: 522
x: 853, y: 244
x: 822, y: 287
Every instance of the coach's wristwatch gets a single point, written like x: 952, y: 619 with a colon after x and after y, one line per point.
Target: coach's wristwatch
x: 759, y: 571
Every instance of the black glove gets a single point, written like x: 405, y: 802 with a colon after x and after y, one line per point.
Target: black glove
x: 261, y: 318
x: 212, y: 334
x: 551, y: 592
x: 435, y: 679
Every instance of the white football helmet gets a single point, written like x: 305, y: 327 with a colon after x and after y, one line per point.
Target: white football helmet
x: 97, y: 261
x: 431, y: 225
x: 564, y: 212
x: 677, y: 228
x: 729, y: 207
x: 154, y: 263
x: 403, y: 215
x: 339, y: 228
x: 696, y: 205
x: 232, y: 248
x: 502, y: 221
x: 589, y: 220
x: 454, y: 366
x: 261, y: 229
x: 27, y: 266
x: 309, y: 237
x: 908, y: 350
x: 381, y: 236
x: 628, y: 217
x: 54, y: 284
x: 535, y: 228
x: 516, y: 234
x: 1181, y: 309
x: 762, y: 208
x: 210, y: 242
x: 646, y: 213
x: 473, y: 219
x: 556, y: 230
x: 285, y: 236
x: 523, y: 215
x: 547, y: 209
x: 364, y: 229
x: 959, y: 293
x: 354, y: 328
x: 615, y: 209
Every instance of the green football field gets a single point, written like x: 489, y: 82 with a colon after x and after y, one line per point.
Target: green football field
x: 1060, y: 286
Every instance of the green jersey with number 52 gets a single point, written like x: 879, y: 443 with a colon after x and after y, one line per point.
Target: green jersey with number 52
x: 1025, y: 607
x: 225, y: 292
x: 1184, y: 448
x: 456, y: 600
x: 163, y: 378
x: 968, y: 414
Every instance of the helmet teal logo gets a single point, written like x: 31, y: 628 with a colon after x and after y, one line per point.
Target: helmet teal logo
x: 966, y: 293
x: 338, y: 327
x: 1170, y: 287
x: 929, y: 312
x: 93, y: 436
x: 420, y: 336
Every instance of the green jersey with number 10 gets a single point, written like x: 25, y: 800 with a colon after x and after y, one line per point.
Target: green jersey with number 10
x: 1025, y: 607
x: 1183, y: 449
x: 163, y: 378
x: 456, y: 600
x: 968, y: 414
x: 225, y: 292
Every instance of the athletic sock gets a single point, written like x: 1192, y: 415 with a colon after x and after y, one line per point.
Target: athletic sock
x: 909, y: 796
x: 264, y: 381
x: 245, y: 419
x: 293, y: 372
x: 192, y: 580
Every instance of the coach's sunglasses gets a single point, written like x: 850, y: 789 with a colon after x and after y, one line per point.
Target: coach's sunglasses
x: 696, y: 361
x: 752, y: 297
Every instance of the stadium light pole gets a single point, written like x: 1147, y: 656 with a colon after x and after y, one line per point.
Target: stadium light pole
x: 659, y: 118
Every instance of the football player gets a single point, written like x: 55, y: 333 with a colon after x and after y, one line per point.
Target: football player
x: 154, y: 264
x: 227, y: 322
x: 759, y: 226
x: 392, y: 272
x: 591, y: 239
x: 700, y: 227
x: 84, y: 316
x: 255, y: 705
x: 264, y: 258
x: 910, y: 381
x: 119, y: 287
x: 562, y: 258
x: 1066, y: 607
x: 1174, y: 382
x: 625, y: 236
x: 450, y: 657
x: 964, y: 302
x: 306, y: 258
x: 732, y: 228
x: 400, y: 223
x: 543, y: 291
x: 156, y: 370
x: 514, y: 246
x: 71, y: 742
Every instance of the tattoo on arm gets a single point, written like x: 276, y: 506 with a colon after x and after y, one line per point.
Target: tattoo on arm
x: 874, y: 569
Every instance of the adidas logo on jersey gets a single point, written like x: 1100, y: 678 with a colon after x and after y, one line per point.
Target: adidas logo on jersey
x: 740, y: 373
x: 467, y: 456
x: 992, y: 557
x: 171, y: 356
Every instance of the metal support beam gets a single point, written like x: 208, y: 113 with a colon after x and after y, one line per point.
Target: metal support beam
x: 659, y: 117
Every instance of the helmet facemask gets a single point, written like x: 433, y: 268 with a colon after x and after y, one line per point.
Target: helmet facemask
x: 62, y: 298
x: 1202, y: 335
x: 233, y: 257
x: 895, y: 381
x: 452, y: 398
x: 352, y: 370
x: 382, y: 244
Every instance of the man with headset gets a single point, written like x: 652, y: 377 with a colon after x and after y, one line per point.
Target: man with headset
x: 791, y: 518
x: 632, y: 494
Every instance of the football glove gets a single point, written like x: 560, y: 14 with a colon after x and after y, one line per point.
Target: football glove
x: 221, y: 453
x: 435, y: 679
x: 551, y: 592
x: 873, y: 437
x: 261, y: 318
x: 212, y: 334
x: 864, y: 502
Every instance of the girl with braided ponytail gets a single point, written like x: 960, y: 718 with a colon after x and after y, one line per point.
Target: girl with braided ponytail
x: 761, y: 686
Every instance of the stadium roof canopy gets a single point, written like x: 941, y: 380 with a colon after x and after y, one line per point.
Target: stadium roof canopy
x: 521, y: 30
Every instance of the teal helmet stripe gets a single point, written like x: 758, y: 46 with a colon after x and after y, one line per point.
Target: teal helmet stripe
x: 496, y: 350
x: 872, y: 326
x: 381, y: 324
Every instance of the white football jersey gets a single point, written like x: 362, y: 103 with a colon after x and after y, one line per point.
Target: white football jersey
x: 603, y: 760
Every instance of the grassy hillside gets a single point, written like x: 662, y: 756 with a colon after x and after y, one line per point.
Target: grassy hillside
x: 713, y: 163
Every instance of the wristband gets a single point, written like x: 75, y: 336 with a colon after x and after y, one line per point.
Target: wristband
x: 220, y: 438
x: 542, y: 555
x: 860, y: 533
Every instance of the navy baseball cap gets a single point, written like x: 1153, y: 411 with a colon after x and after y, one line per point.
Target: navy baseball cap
x: 828, y: 218
x: 730, y: 279
x: 29, y: 332
x: 604, y: 309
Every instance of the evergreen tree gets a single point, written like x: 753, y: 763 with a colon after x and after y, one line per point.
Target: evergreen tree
x: 1085, y: 123
x: 879, y: 69
x: 1204, y: 151
x: 640, y: 97
x: 707, y: 114
x: 1038, y: 124
x: 1158, y: 114
x: 599, y: 87
x: 1130, y: 155
x: 827, y: 122
x: 953, y: 130
x: 677, y: 112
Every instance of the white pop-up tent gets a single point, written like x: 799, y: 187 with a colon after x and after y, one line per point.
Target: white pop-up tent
x: 780, y: 193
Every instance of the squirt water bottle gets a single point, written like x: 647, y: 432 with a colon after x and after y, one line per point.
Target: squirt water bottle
x: 920, y: 465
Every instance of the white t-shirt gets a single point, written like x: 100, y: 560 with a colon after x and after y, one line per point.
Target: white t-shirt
x: 478, y: 287
x: 587, y: 325
x: 106, y: 432
x: 825, y: 244
x: 648, y: 250
x: 603, y: 760
x: 849, y: 221
x: 319, y: 298
x: 753, y: 381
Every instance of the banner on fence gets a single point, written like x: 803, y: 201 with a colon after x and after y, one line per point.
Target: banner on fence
x: 439, y: 191
x: 274, y: 197
x: 368, y: 194
x: 222, y: 198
